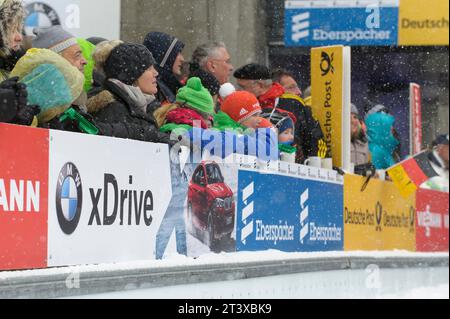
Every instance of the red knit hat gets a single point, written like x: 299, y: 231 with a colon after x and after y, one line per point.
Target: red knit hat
x: 241, y: 105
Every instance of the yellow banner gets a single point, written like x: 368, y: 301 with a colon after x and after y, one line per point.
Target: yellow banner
x: 424, y: 22
x: 327, y: 79
x: 378, y: 218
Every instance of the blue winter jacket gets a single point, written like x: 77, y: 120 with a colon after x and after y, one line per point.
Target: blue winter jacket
x: 381, y: 141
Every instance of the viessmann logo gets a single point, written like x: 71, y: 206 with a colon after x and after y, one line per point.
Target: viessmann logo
x: 69, y: 198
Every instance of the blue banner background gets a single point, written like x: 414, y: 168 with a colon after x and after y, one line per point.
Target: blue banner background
x: 342, y: 19
x: 276, y: 201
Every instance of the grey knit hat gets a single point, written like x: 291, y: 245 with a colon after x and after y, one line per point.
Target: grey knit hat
x: 355, y: 109
x: 54, y: 38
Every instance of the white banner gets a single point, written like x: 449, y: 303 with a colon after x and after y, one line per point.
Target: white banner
x: 83, y: 18
x: 107, y: 198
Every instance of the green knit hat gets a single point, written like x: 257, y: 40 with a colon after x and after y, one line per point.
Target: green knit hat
x: 196, y: 96
x: 87, y: 49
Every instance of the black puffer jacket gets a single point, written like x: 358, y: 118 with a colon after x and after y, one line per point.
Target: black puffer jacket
x: 116, y: 115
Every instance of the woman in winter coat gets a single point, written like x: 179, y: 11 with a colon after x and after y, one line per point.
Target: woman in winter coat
x: 359, y: 142
x: 11, y: 25
x: 13, y: 95
x: 130, y: 86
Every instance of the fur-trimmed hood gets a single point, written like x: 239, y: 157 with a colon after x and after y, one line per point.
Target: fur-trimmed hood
x: 100, y: 101
x: 12, y: 14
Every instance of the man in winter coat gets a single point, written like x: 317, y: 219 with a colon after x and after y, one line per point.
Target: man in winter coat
x: 257, y: 79
x: 287, y: 81
x: 60, y: 41
x: 167, y: 51
x: 215, y: 59
x: 439, y: 160
x: 130, y: 86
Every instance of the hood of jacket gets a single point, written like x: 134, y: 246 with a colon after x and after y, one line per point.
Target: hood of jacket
x: 115, y: 93
x: 223, y: 122
x: 380, y: 131
x: 165, y: 49
x: 39, y: 68
x: 12, y: 14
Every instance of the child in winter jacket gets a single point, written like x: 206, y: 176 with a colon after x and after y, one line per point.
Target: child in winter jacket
x: 285, y: 127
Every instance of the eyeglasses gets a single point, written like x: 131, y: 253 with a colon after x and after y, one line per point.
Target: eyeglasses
x: 224, y: 61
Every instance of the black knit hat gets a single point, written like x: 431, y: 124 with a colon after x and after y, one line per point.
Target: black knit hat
x: 165, y: 48
x: 209, y: 81
x: 253, y: 71
x: 127, y: 62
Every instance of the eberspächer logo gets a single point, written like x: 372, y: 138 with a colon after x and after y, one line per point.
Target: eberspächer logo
x: 69, y: 198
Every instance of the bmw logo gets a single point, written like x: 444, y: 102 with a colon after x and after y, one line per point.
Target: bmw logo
x: 40, y: 15
x: 69, y: 198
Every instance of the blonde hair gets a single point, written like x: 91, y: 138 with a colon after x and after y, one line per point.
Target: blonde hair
x: 102, y: 52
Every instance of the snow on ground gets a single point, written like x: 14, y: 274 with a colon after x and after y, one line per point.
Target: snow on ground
x: 438, y: 292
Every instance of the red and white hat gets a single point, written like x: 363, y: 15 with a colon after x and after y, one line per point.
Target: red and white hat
x: 241, y: 105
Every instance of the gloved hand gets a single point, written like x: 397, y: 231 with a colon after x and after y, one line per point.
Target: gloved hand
x: 26, y: 114
x: 11, y: 96
x: 70, y: 125
x: 13, y: 103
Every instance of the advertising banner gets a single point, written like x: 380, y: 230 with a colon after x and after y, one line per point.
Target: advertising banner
x: 377, y: 218
x: 351, y: 23
x: 79, y: 17
x: 201, y: 217
x: 23, y: 197
x: 107, y: 198
x: 288, y: 213
x: 432, y: 221
x: 331, y: 91
x: 424, y: 22
x: 415, y: 101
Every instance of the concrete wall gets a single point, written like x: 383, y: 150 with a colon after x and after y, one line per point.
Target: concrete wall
x: 238, y: 23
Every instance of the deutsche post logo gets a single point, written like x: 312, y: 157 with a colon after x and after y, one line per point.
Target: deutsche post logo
x: 326, y: 65
x: 379, y: 215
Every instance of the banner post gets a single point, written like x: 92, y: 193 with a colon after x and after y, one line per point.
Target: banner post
x: 415, y: 98
x: 331, y: 94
